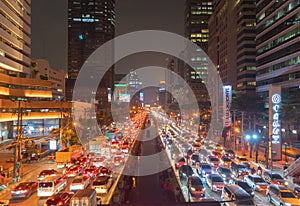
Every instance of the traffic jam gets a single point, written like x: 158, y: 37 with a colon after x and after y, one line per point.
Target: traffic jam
x: 207, y: 171
x: 85, y: 179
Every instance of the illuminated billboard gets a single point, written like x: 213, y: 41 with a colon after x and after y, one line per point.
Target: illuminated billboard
x: 124, y: 97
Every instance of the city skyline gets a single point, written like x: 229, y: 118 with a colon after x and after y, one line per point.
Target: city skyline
x: 49, y: 29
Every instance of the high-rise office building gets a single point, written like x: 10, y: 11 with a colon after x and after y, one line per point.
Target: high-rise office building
x: 197, y: 14
x: 91, y: 23
x: 278, y: 50
x: 27, y: 104
x: 222, y: 40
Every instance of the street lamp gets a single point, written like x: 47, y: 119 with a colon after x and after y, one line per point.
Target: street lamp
x: 253, y: 138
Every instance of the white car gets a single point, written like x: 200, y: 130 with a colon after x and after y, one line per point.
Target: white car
x: 256, y: 182
x: 215, y: 182
x: 99, y: 161
x: 79, y: 183
x: 102, y: 184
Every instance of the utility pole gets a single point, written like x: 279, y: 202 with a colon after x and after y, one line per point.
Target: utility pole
x: 16, y: 170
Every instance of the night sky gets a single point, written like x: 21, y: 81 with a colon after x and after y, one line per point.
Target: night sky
x: 49, y: 25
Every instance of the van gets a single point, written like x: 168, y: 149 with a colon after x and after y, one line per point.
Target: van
x: 234, y: 195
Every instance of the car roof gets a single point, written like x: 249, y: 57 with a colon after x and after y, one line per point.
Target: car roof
x: 280, y: 187
x: 237, y: 189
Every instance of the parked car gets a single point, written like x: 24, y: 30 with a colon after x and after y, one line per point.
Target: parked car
x: 215, y: 182
x: 24, y: 190
x: 256, y: 182
x: 196, y: 187
x: 280, y: 195
x: 274, y: 178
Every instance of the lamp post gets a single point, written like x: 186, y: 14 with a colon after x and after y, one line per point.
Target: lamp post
x: 252, y: 138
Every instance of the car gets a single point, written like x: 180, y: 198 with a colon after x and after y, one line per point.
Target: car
x: 79, y: 183
x: 24, y: 190
x: 297, y: 192
x: 243, y: 184
x: 239, y: 170
x: 280, y: 195
x: 74, y: 170
x: 234, y: 195
x: 195, y: 159
x: 274, y: 178
x: 205, y: 169
x: 196, y: 187
x: 196, y: 147
x: 185, y: 171
x: 99, y: 161
x: 216, y: 154
x: 213, y: 161
x: 230, y: 154
x: 256, y: 182
x: 225, y: 174
x: 180, y: 161
x: 102, y: 184
x: 219, y: 148
x: 60, y: 198
x: 225, y: 161
x: 103, y: 171
x: 215, y: 182
x: 243, y: 160
x: 45, y: 173
x: 91, y: 171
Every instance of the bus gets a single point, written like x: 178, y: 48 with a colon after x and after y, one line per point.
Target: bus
x: 51, y: 185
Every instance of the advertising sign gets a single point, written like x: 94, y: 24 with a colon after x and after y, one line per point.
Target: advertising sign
x: 227, y: 103
x: 274, y: 122
x: 53, y: 145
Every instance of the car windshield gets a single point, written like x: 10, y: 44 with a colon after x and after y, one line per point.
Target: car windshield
x: 243, y: 159
x: 224, y: 170
x: 217, y: 179
x: 225, y: 159
x: 258, y: 179
x: 196, y: 181
x: 23, y: 185
x: 241, y: 166
x: 208, y: 167
x: 214, y: 159
x: 287, y: 195
x: 244, y: 185
x: 276, y: 176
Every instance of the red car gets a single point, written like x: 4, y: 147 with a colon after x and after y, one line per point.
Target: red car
x: 91, y: 171
x: 180, y: 162
x: 24, y: 190
x: 61, y: 198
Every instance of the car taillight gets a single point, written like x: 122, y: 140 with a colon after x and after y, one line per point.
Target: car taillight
x: 60, y: 203
x: 93, y: 187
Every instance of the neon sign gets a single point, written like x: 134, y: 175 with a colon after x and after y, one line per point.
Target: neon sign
x: 276, y: 99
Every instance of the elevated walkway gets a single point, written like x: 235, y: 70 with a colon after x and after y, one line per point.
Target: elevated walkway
x: 294, y: 169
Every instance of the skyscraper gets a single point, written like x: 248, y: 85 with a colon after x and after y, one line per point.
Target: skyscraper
x: 278, y: 50
x: 91, y: 23
x: 197, y: 14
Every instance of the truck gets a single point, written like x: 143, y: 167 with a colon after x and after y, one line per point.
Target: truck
x: 86, y: 197
x: 68, y: 155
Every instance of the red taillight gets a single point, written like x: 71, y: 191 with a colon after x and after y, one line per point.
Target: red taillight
x: 60, y: 203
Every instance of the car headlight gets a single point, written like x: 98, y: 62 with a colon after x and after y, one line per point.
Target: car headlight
x: 258, y: 187
x: 252, y: 193
x: 288, y: 204
x: 286, y: 183
x: 232, y: 176
x: 224, y: 176
x: 192, y: 188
